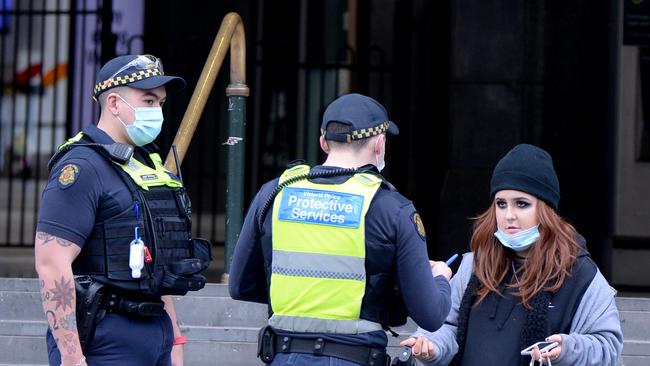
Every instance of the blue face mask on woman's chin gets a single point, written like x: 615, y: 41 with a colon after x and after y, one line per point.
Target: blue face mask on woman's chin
x: 519, y: 241
x: 146, y: 126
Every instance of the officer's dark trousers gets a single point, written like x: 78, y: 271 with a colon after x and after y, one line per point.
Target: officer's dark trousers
x: 300, y: 359
x: 125, y: 341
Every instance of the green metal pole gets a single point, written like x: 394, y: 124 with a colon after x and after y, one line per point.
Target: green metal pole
x: 235, y: 175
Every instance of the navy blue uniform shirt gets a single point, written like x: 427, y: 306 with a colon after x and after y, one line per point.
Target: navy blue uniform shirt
x: 84, y: 188
x: 91, y: 191
x: 389, y: 221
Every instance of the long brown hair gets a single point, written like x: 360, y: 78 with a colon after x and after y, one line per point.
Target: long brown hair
x: 548, y: 262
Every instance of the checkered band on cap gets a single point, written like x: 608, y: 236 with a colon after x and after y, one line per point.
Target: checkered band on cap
x: 369, y: 132
x: 126, y: 79
x: 360, y: 134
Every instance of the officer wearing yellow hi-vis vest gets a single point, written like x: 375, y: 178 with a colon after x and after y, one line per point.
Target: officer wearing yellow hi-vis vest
x: 326, y: 247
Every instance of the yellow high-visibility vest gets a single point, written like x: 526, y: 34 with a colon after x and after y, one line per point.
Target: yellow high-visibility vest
x: 318, y: 274
x: 140, y: 173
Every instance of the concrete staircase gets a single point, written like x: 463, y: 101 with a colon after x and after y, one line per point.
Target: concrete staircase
x: 222, y: 331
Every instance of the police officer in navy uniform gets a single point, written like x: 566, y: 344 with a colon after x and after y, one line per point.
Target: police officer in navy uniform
x: 113, y: 238
x: 336, y: 252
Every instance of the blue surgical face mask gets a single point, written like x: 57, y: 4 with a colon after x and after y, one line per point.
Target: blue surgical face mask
x: 146, y: 126
x: 519, y: 241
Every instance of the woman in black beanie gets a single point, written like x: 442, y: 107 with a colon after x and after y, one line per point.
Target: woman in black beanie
x: 529, y: 278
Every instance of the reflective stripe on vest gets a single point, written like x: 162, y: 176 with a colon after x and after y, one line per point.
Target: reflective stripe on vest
x: 318, y: 274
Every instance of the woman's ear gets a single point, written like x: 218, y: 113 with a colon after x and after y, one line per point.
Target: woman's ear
x: 323, y: 145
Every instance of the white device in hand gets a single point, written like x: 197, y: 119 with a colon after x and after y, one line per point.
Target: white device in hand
x: 543, y: 347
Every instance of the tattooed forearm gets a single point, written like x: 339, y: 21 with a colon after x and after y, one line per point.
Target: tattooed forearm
x: 59, y: 307
x: 69, y: 322
x: 46, y: 238
x: 45, y: 294
x: 69, y: 343
x: 62, y: 293
x: 58, y: 295
x: 51, y: 320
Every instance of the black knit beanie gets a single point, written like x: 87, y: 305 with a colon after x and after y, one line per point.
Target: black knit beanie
x: 529, y: 169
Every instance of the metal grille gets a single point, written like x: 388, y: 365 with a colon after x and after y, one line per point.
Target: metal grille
x: 41, y: 43
x: 303, y: 61
x: 287, y: 123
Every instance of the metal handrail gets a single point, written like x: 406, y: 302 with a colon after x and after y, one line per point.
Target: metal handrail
x: 230, y: 34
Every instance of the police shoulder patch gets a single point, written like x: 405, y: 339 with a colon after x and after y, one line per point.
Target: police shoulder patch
x: 419, y: 225
x: 68, y: 175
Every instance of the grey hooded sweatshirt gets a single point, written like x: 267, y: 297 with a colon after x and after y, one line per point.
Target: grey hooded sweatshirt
x: 595, y: 336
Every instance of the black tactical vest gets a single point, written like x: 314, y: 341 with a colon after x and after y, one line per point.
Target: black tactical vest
x: 164, y: 224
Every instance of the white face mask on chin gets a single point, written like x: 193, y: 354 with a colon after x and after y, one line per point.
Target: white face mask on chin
x: 380, y: 164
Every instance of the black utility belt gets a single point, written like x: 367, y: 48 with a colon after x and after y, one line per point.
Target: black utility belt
x: 285, y: 344
x: 119, y: 303
x: 321, y: 347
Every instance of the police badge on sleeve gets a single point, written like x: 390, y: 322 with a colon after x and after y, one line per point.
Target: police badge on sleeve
x: 68, y: 175
x: 419, y: 225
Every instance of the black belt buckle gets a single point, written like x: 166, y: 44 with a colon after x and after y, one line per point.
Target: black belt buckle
x: 151, y: 309
x: 319, y: 346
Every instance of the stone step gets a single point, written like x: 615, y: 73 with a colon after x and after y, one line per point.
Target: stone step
x: 635, y: 361
x: 192, y: 310
x: 31, y: 285
x: 195, y: 310
x: 218, y: 327
x: 21, y: 305
x: 636, y: 326
x: 205, y: 344
x: 221, y: 290
x: 224, y: 312
x: 220, y: 311
x: 23, y: 328
x: 18, y: 284
x: 636, y: 348
x: 633, y: 304
x: 20, y: 350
